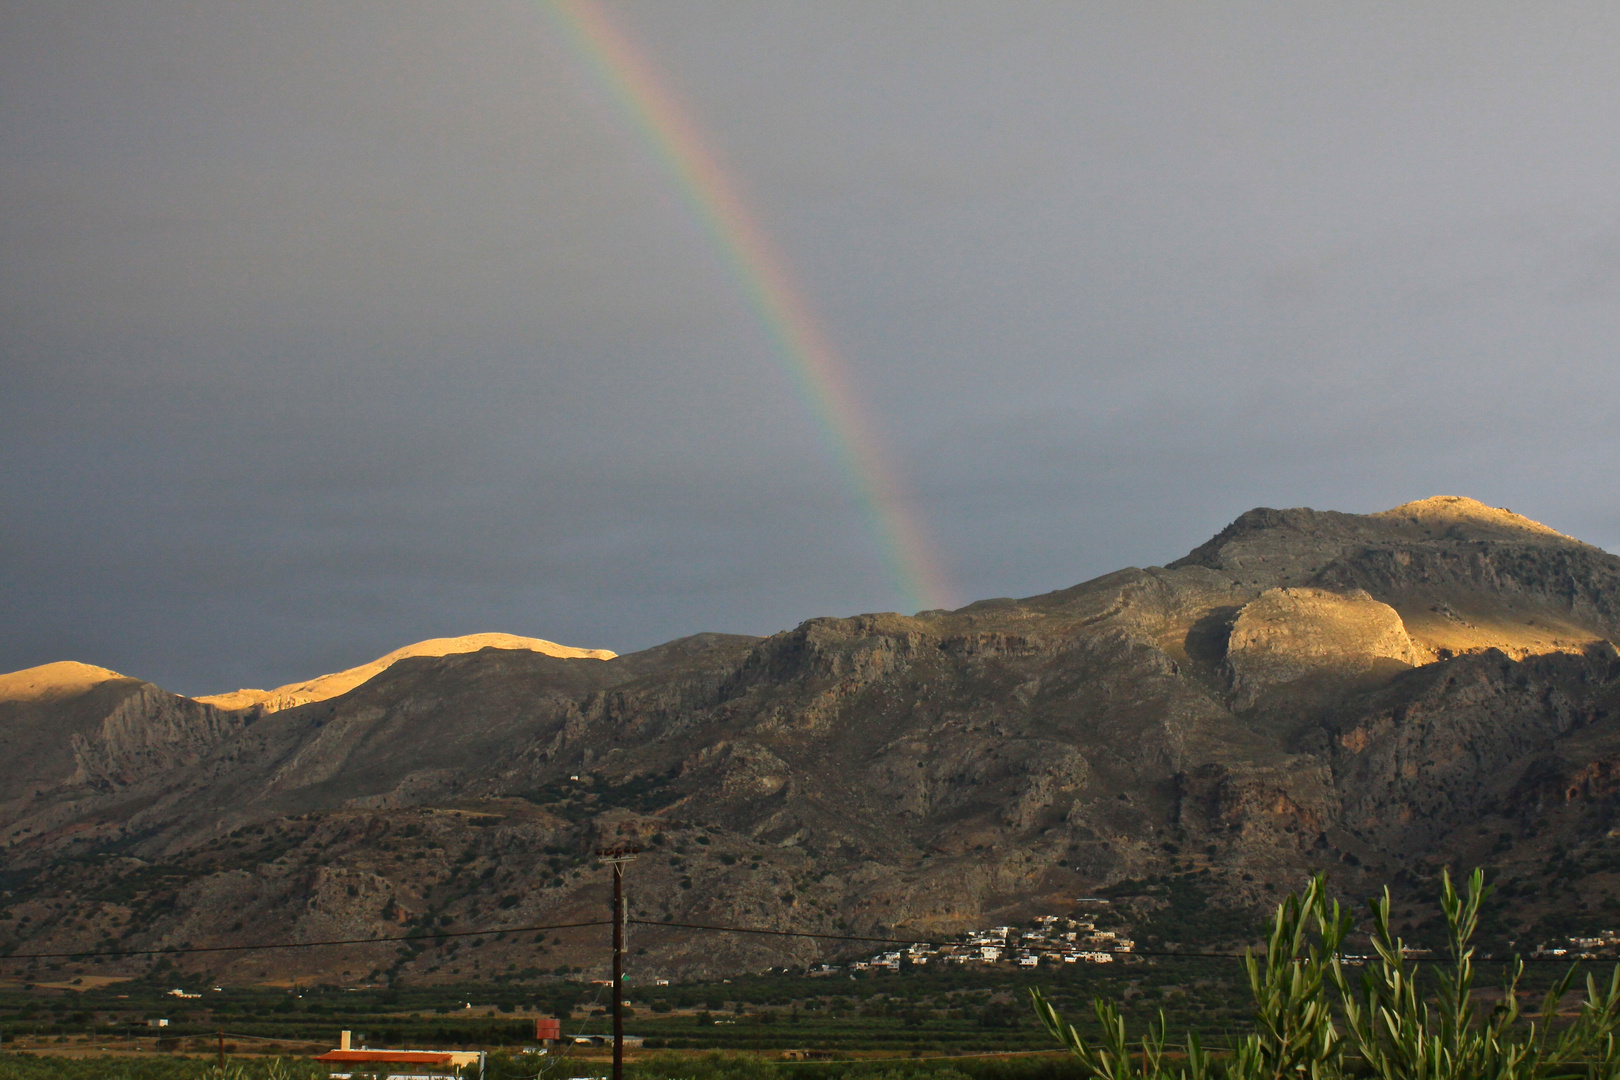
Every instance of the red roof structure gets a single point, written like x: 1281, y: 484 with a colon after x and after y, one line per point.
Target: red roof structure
x: 398, y: 1057
x: 437, y: 1060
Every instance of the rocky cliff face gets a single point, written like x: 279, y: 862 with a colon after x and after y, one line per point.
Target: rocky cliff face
x: 148, y: 734
x: 1371, y: 694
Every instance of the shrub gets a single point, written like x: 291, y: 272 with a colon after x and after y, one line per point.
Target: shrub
x: 1314, y: 1023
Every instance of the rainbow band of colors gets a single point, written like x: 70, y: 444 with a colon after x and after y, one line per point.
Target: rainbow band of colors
x: 762, y: 278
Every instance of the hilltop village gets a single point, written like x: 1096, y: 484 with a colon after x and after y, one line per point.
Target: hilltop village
x: 1051, y: 939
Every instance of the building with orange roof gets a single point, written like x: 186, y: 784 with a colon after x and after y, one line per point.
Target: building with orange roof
x: 401, y: 1064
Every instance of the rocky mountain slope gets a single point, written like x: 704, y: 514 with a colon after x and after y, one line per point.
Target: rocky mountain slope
x: 1372, y: 694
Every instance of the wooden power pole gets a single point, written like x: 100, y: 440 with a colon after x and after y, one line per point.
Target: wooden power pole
x: 616, y: 857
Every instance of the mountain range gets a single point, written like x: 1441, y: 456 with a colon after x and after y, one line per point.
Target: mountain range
x: 1371, y: 695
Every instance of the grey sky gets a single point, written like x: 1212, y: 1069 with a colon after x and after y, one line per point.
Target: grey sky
x: 325, y: 328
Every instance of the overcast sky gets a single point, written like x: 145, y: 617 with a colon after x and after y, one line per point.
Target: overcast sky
x: 325, y: 328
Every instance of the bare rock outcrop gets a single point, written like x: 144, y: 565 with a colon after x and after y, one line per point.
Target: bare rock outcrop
x: 1292, y: 635
x: 149, y: 733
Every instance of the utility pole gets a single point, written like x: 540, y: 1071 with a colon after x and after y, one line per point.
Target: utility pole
x: 221, y: 1048
x: 616, y: 857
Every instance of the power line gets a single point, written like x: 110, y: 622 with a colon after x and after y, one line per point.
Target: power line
x: 170, y: 950
x: 1156, y: 954
x: 781, y: 933
x: 891, y: 940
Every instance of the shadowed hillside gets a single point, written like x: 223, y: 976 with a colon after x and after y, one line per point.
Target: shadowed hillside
x: 1372, y: 694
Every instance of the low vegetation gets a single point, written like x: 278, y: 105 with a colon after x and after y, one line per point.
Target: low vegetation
x: 32, y: 1067
x: 1315, y: 1011
x: 1313, y: 1018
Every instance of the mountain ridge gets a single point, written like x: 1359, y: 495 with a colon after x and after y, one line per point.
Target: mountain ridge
x: 1373, y: 694
x: 340, y: 682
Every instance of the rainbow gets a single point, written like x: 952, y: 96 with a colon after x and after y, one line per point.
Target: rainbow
x: 761, y: 276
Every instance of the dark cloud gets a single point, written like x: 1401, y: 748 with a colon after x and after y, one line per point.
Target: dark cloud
x: 324, y: 329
